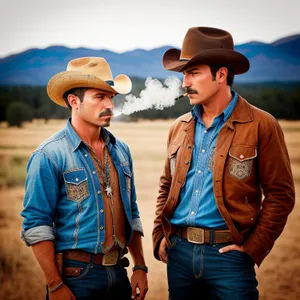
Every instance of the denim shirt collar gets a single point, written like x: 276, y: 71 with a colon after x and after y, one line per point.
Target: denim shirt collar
x: 107, y: 137
x: 226, y: 113
x: 75, y: 139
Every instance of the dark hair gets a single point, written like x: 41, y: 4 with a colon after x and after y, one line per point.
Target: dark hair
x: 79, y: 92
x: 214, y: 69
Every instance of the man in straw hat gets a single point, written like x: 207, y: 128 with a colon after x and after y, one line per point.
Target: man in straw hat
x: 211, y: 224
x: 80, y: 211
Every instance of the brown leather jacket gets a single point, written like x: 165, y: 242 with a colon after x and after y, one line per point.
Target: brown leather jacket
x: 253, y: 183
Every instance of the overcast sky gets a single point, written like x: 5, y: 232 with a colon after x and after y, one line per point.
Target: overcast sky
x: 122, y: 25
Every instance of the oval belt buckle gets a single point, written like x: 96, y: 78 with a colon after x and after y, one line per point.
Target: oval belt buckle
x: 195, y: 235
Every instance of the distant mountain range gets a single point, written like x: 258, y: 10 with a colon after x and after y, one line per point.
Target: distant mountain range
x: 277, y: 61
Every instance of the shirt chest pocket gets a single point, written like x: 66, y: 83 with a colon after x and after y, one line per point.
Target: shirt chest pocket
x: 127, y: 173
x: 241, y: 161
x: 76, y: 185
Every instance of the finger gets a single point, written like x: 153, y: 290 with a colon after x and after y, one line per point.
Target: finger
x: 143, y: 293
x: 163, y: 258
x: 133, y: 292
x: 161, y: 252
x: 163, y: 255
x: 227, y: 248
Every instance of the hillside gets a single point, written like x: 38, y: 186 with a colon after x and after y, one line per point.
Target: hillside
x: 277, y: 61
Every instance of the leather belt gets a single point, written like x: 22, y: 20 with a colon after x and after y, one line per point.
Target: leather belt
x: 198, y: 235
x: 109, y: 259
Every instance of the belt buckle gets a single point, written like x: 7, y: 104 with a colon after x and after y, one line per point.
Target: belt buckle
x: 195, y: 235
x: 111, y: 258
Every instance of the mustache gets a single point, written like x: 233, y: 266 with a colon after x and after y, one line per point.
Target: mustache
x: 191, y: 91
x: 107, y: 112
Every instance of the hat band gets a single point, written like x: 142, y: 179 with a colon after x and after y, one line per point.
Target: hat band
x: 110, y: 82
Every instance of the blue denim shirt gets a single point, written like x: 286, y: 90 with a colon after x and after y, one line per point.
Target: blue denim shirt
x: 197, y: 206
x: 63, y: 201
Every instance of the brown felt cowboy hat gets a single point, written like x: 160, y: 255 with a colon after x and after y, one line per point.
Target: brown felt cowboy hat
x: 87, y: 72
x: 206, y: 45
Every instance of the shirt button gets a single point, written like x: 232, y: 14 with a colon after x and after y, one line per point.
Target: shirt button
x: 203, y: 150
x: 86, y: 155
x: 241, y: 156
x: 99, y: 192
x: 94, y: 172
x: 196, y: 191
x: 101, y: 243
x: 76, y: 179
x: 205, y: 131
x: 192, y: 212
x: 199, y: 171
x: 101, y: 228
x: 101, y: 210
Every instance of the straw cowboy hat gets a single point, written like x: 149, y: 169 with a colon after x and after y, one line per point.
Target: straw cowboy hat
x: 86, y: 72
x: 206, y: 45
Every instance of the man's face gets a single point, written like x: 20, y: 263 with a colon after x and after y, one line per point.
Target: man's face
x: 96, y: 107
x: 200, y: 85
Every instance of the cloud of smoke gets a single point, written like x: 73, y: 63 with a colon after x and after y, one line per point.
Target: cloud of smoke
x: 156, y: 95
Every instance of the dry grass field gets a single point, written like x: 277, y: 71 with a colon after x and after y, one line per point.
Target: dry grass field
x: 21, y: 277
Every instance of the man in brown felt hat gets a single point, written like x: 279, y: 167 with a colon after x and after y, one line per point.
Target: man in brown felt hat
x: 80, y: 211
x: 212, y: 224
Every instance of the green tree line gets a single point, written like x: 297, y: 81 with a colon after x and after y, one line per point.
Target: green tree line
x: 24, y: 103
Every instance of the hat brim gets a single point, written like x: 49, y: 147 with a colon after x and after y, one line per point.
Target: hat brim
x: 67, y: 80
x: 235, y: 60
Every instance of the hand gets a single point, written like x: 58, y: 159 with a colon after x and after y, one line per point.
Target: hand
x: 162, y: 253
x: 63, y: 293
x: 232, y: 247
x: 139, y: 281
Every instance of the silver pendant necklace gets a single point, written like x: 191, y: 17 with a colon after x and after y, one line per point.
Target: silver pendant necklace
x: 108, y: 190
x: 105, y: 174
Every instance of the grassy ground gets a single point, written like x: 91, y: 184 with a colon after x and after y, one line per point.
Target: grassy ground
x: 21, y: 277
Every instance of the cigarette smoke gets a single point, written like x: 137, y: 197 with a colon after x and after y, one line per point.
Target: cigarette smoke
x: 156, y: 95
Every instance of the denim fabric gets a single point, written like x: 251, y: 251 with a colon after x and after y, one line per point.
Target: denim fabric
x: 97, y: 282
x: 201, y: 272
x: 63, y: 188
x: 197, y: 206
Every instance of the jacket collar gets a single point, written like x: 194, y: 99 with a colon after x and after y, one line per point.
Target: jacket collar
x: 242, y: 113
x: 188, y: 126
x: 188, y: 121
x: 186, y: 118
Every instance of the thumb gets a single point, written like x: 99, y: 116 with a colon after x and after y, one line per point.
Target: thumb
x: 133, y: 292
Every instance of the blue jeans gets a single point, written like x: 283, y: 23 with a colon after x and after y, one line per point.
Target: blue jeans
x: 97, y: 282
x: 201, y: 272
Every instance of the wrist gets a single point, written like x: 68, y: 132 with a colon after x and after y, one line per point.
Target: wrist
x: 53, y: 282
x: 55, y: 288
x: 140, y: 267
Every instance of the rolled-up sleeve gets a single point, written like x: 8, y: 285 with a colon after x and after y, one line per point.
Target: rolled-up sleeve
x: 137, y: 226
x: 41, y: 195
x: 37, y: 234
x: 136, y: 221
